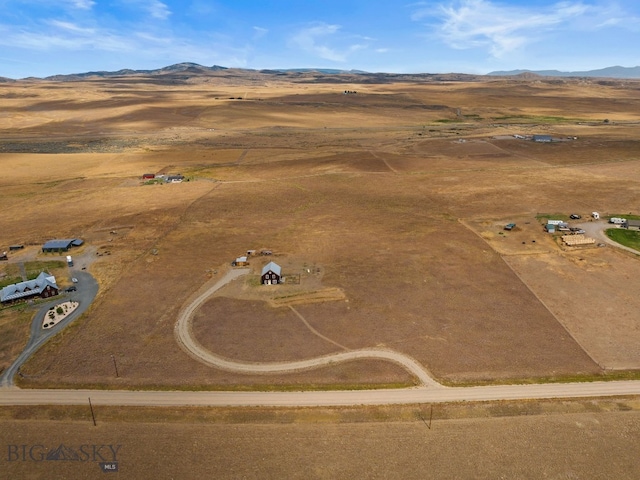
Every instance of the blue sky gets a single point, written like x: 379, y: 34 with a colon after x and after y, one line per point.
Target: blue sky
x: 47, y: 37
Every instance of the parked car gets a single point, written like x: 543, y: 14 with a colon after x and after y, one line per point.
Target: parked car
x: 510, y: 226
x: 575, y: 216
x: 72, y: 288
x: 74, y: 280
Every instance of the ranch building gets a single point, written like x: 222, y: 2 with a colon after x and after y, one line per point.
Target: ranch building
x: 43, y: 286
x: 61, y: 245
x: 240, y: 262
x: 271, y: 274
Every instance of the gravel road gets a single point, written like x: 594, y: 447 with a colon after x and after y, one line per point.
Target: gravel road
x: 184, y: 335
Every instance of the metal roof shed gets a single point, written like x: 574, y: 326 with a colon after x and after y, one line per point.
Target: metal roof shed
x: 58, y: 245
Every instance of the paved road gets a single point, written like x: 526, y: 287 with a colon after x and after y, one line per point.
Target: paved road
x: 87, y: 291
x: 184, y: 335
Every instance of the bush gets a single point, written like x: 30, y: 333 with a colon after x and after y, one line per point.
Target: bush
x: 59, y: 311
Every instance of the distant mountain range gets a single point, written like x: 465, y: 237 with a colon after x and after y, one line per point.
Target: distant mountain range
x: 609, y: 72
x: 180, y: 72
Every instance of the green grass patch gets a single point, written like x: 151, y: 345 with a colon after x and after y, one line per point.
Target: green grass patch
x: 627, y: 216
x: 9, y: 281
x: 628, y: 238
x: 448, y: 120
x: 538, y: 119
x: 609, y: 376
x: 34, y: 268
x: 543, y: 217
x: 25, y: 383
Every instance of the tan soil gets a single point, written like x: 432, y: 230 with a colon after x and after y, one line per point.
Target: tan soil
x: 512, y: 441
x: 376, y: 206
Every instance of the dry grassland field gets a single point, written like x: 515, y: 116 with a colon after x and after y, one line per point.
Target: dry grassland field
x: 385, y: 209
x: 592, y: 440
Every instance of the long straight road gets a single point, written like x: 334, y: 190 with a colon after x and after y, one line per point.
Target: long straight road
x: 15, y: 396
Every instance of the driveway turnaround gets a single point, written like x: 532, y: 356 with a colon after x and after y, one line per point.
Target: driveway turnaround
x: 184, y: 335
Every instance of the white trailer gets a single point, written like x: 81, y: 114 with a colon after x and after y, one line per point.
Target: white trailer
x: 69, y: 261
x: 617, y: 220
x: 595, y: 215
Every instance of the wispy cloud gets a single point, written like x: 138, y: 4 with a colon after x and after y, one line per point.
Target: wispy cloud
x: 83, y: 4
x: 158, y: 9
x: 315, y: 40
x: 498, y: 27
x: 259, y: 32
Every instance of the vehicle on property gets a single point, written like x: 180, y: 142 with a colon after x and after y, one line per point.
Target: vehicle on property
x: 617, y: 220
x: 510, y: 226
x: 74, y: 280
x: 575, y: 216
x: 72, y: 288
x: 595, y: 215
x: 69, y: 261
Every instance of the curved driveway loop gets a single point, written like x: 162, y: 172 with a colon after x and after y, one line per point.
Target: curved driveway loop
x: 597, y: 229
x: 86, y: 293
x: 184, y: 335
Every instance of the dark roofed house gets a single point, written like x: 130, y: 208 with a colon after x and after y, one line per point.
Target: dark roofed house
x: 542, y: 138
x: 61, y: 245
x: 271, y: 274
x: 43, y: 286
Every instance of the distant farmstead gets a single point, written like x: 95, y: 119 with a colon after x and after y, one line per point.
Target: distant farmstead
x: 148, y: 176
x: 271, y: 274
x: 61, y: 245
x: 43, y: 286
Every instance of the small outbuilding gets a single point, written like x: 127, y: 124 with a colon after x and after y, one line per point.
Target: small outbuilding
x: 148, y: 176
x: 61, y: 245
x: 542, y: 138
x: 240, y: 262
x: 271, y: 274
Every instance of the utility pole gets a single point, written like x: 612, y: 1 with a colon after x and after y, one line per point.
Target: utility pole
x: 92, y: 415
x: 115, y: 365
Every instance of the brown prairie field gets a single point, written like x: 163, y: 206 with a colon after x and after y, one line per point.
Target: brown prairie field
x: 391, y: 202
